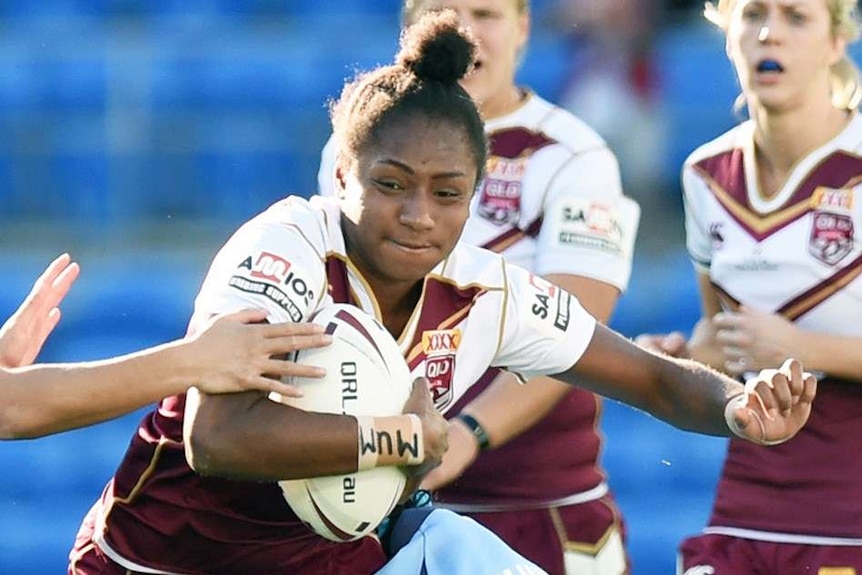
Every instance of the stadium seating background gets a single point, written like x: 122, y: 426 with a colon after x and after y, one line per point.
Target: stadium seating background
x: 137, y: 134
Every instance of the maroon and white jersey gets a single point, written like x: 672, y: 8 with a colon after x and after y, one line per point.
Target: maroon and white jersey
x: 797, y: 254
x: 552, y: 202
x: 476, y: 311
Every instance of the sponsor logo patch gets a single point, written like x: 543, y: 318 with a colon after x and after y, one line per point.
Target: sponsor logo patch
x: 274, y: 277
x: 550, y: 304
x: 270, y: 291
x: 590, y: 224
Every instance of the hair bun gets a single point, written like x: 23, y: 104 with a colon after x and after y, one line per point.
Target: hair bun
x: 435, y: 48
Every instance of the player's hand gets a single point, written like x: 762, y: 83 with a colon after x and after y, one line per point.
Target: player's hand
x: 238, y: 353
x: 775, y: 405
x: 434, y: 434
x: 23, y: 334
x: 673, y: 344
x: 462, y: 452
x: 752, y: 340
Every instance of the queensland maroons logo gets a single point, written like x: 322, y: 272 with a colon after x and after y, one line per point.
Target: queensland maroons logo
x: 440, y: 347
x: 500, y: 190
x: 832, y: 228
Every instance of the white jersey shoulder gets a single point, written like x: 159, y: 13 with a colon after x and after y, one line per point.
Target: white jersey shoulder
x: 552, y: 198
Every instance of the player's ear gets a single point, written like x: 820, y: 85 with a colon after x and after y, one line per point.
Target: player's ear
x: 341, y: 169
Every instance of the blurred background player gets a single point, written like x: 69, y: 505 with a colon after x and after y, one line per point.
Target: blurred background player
x: 772, y: 217
x: 197, y: 491
x: 226, y: 356
x: 524, y: 459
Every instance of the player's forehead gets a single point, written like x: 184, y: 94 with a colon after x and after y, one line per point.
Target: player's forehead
x: 421, y: 144
x: 421, y: 6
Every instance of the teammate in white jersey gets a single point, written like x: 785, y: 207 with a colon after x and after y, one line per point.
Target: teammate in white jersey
x: 227, y: 356
x: 412, y: 151
x: 772, y: 221
x: 551, y: 201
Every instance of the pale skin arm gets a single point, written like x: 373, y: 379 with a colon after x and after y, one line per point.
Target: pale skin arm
x: 508, y: 408
x: 23, y: 334
x: 227, y: 356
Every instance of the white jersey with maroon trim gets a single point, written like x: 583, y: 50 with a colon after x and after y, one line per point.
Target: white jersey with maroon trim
x: 475, y: 311
x: 797, y: 254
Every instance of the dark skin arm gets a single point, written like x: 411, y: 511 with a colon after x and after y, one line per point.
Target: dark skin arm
x: 247, y: 436
x: 692, y: 396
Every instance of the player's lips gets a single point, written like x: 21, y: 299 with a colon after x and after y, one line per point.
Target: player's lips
x: 411, y: 246
x: 769, y: 66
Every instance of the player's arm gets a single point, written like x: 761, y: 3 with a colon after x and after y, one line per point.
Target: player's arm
x: 228, y: 355
x: 248, y: 436
x: 24, y: 333
x: 770, y: 408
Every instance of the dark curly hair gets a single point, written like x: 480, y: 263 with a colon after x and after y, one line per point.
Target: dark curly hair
x: 435, y: 54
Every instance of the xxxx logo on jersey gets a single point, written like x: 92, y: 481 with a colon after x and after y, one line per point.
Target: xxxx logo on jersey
x: 440, y: 347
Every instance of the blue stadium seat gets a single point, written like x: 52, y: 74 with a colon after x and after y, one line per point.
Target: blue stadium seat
x: 698, y: 88
x: 662, y: 296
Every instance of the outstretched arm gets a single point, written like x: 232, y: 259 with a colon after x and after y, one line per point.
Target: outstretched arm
x: 23, y: 334
x: 692, y: 396
x: 229, y: 355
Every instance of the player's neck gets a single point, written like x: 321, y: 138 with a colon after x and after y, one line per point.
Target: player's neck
x: 397, y: 302
x: 502, y: 104
x: 782, y: 140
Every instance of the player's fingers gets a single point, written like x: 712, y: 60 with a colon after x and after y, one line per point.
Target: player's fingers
x: 288, y: 343
x: 64, y: 281
x: 781, y: 392
x: 277, y: 330
x: 727, y: 320
x: 285, y: 368
x: 792, y: 369
x: 759, y: 394
x: 276, y: 386
x: 809, y: 389
x: 243, y: 316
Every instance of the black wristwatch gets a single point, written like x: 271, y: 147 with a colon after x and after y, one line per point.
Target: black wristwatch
x: 476, y: 429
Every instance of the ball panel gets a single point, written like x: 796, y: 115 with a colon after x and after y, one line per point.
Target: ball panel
x: 366, y: 375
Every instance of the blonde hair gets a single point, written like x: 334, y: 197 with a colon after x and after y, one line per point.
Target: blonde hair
x: 845, y: 78
x: 410, y: 9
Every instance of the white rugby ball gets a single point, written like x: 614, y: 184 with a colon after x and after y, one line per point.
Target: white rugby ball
x: 366, y: 375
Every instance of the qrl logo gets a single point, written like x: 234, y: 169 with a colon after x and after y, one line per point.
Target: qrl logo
x: 439, y: 371
x: 270, y: 267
